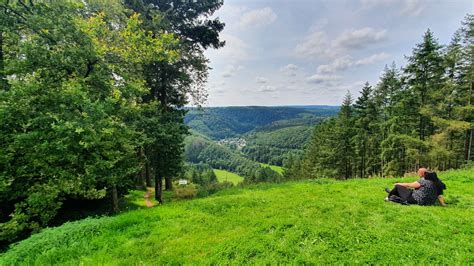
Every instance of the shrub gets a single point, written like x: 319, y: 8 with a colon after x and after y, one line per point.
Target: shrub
x: 185, y: 192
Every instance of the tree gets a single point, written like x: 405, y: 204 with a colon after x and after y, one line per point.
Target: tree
x: 425, y: 76
x: 67, y: 125
x: 344, y: 151
x: 365, y: 144
x: 170, y: 84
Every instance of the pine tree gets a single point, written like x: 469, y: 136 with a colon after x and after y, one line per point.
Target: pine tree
x: 364, y: 114
x: 344, y: 151
x: 424, y: 74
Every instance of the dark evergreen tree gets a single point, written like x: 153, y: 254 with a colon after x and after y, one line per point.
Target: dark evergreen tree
x: 425, y: 76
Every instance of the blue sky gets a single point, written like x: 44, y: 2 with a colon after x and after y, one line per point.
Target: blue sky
x: 299, y: 52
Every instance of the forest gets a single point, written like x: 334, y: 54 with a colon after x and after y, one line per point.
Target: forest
x: 91, y: 100
x: 419, y: 115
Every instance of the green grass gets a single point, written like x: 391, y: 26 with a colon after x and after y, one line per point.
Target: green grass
x: 319, y: 221
x: 223, y: 175
x: 275, y: 168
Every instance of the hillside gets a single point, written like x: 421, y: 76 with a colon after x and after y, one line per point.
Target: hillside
x: 318, y: 221
x: 273, y: 144
x: 224, y: 122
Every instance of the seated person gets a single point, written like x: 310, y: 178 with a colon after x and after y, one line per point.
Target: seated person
x: 425, y: 191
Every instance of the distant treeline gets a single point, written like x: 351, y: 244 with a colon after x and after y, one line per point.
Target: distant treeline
x: 225, y: 122
x: 199, y: 150
x: 273, y: 146
x: 421, y: 115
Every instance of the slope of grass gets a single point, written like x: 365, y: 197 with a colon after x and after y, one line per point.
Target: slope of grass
x: 320, y: 221
x: 223, y: 175
x: 275, y: 168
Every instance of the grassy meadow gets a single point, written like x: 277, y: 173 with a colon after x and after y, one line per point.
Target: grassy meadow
x: 275, y: 168
x: 223, y: 175
x: 316, y: 221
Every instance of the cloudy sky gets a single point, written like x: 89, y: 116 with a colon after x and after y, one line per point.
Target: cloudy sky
x: 298, y: 52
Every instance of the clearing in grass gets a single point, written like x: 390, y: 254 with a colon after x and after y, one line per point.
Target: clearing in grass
x: 275, y: 168
x: 223, y: 176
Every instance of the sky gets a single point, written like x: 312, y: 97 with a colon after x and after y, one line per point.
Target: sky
x: 311, y: 52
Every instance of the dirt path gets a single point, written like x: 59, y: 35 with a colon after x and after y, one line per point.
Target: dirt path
x: 147, y: 197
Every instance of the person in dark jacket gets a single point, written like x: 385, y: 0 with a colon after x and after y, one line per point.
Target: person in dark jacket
x: 426, y: 191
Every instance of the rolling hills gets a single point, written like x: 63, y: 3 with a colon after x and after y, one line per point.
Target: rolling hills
x: 320, y: 221
x: 224, y: 122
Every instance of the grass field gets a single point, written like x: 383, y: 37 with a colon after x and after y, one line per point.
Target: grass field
x: 223, y: 175
x: 318, y: 221
x: 275, y: 168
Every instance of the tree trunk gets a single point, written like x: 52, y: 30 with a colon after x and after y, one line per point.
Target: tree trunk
x: 158, y: 186
x: 3, y: 78
x: 115, y: 205
x: 168, y: 183
x: 469, y: 149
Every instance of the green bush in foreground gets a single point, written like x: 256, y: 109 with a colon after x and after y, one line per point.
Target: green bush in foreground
x: 319, y: 221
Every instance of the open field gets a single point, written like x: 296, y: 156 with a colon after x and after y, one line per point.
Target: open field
x: 320, y: 221
x: 223, y: 175
x: 275, y: 168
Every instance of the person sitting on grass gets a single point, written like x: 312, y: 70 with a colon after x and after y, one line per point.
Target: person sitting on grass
x: 425, y: 191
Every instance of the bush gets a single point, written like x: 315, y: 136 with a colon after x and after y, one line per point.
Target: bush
x: 185, y: 191
x: 213, y: 188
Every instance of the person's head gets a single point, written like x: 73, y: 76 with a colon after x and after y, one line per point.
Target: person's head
x: 433, y: 177
x: 422, y: 172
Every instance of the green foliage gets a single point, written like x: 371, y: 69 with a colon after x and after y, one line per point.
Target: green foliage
x: 226, y: 176
x: 185, y: 191
x: 79, y: 115
x: 321, y: 221
x: 224, y: 122
x: 421, y: 116
x: 201, y: 150
x: 273, y: 145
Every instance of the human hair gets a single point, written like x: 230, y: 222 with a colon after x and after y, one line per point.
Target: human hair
x: 439, y: 185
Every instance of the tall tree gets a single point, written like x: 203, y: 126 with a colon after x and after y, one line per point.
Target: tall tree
x: 365, y: 116
x: 171, y: 84
x: 425, y: 74
x: 344, y: 150
x: 67, y: 125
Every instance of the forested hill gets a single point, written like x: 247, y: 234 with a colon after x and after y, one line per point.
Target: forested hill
x: 223, y: 122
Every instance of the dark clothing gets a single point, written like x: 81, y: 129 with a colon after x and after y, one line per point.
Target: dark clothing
x: 427, y: 194
x: 402, y: 194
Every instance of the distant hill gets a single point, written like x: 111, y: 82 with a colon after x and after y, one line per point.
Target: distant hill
x: 224, y: 122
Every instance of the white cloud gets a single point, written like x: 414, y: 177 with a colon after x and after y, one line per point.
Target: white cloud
x: 413, y: 8
x: 261, y: 80
x: 231, y: 12
x: 404, y: 7
x: 267, y: 88
x: 230, y: 70
x: 258, y: 17
x: 318, y: 78
x: 314, y: 45
x: 341, y: 63
x: 354, y: 39
x: 372, y: 59
x: 317, y: 45
x: 345, y: 62
x: 289, y: 70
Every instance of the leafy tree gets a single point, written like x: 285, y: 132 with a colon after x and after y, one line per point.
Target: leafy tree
x: 170, y: 84
x: 66, y: 123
